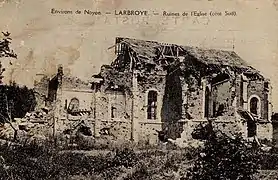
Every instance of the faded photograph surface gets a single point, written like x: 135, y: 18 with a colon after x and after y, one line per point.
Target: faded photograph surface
x: 141, y: 89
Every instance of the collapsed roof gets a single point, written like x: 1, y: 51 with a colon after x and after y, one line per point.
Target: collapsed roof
x: 210, y: 60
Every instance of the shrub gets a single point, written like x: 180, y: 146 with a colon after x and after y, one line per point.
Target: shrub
x: 38, y: 161
x: 269, y: 161
x: 225, y: 157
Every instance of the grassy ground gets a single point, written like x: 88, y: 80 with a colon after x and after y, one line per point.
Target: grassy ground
x: 267, y: 175
x: 39, y: 162
x: 124, y: 162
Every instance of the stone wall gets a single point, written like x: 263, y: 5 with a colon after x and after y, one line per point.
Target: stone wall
x: 195, y: 98
x: 84, y: 97
x: 188, y: 127
x: 195, y: 104
x: 226, y: 124
x: 119, y: 129
x: 148, y: 132
x: 151, y: 82
x: 275, y: 132
x: 265, y: 131
x: 132, y: 110
x: 101, y: 106
x: 221, y: 98
x: 112, y: 104
x: 175, y: 97
x: 41, y: 90
x: 256, y: 88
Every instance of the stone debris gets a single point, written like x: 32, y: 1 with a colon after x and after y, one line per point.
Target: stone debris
x: 34, y: 125
x: 105, y: 131
x: 150, y: 82
x: 185, y: 144
x: 39, y: 114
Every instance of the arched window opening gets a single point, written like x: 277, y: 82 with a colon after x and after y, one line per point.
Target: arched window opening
x: 207, y: 99
x: 251, y: 128
x: 73, y: 105
x: 254, y: 105
x: 113, y: 112
x: 152, y: 105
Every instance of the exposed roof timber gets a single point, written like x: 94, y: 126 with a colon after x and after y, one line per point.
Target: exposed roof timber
x: 163, y: 53
x: 111, y: 47
x: 155, y: 51
x: 210, y: 55
x: 142, y: 56
x: 132, y: 61
x: 179, y: 49
x: 220, y: 82
x: 171, y: 51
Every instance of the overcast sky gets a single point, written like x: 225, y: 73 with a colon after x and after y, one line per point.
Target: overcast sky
x: 43, y: 40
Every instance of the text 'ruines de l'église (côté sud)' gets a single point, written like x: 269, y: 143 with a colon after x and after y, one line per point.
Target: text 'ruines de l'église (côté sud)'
x: 200, y: 13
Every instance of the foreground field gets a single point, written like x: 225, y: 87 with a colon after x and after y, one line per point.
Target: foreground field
x: 33, y: 161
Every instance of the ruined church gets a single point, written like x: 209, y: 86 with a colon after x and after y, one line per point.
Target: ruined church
x: 156, y: 87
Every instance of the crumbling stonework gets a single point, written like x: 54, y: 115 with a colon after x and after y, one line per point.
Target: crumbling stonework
x: 153, y: 88
x: 192, y: 85
x: 265, y: 131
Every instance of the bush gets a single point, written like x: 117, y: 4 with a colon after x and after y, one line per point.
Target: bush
x: 225, y: 157
x: 269, y: 161
x: 39, y: 161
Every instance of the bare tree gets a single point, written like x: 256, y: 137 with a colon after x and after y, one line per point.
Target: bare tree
x: 5, y: 51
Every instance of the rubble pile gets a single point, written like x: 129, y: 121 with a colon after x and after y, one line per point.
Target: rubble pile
x: 6, y: 131
x: 38, y: 115
x: 35, y: 124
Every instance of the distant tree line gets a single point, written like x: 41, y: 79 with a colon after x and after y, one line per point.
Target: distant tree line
x: 15, y: 101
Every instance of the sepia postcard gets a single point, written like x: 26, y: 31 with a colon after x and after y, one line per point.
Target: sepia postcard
x: 139, y: 89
